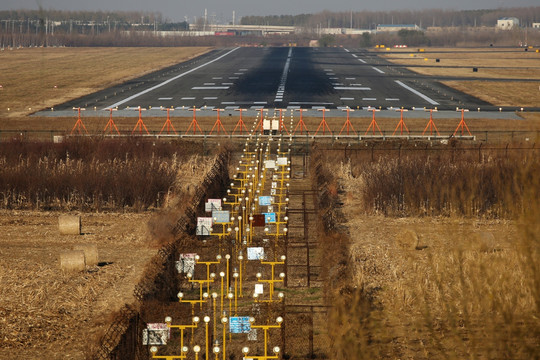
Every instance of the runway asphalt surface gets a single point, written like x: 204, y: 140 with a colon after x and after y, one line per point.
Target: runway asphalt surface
x: 279, y: 77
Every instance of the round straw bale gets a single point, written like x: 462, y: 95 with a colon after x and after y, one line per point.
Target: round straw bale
x: 72, y: 260
x: 408, y: 239
x: 484, y: 241
x: 90, y: 253
x: 69, y: 224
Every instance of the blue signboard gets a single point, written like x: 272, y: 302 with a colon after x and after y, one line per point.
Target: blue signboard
x: 269, y: 218
x: 265, y: 200
x: 239, y: 324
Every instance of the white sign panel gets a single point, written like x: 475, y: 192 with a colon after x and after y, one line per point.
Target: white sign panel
x: 259, y: 289
x: 203, y: 226
x: 275, y: 124
x: 282, y: 161
x: 221, y: 217
x: 212, y: 204
x: 270, y: 164
x: 266, y: 124
x: 156, y: 334
x: 187, y: 264
x: 255, y: 253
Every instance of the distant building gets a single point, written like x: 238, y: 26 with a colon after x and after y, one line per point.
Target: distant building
x: 507, y: 23
x: 397, y: 27
x: 536, y: 25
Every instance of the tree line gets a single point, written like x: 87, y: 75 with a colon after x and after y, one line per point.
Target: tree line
x: 423, y: 18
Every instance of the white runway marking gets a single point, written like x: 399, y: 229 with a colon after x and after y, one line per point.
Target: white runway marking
x: 354, y: 55
x: 334, y: 78
x: 233, y: 78
x: 227, y: 83
x: 259, y: 102
x: 350, y: 78
x: 337, y: 84
x: 210, y: 98
x: 378, y: 70
x: 347, y: 99
x: 188, y: 98
x: 208, y: 84
x: 165, y: 98
x: 362, y: 61
x: 293, y: 107
x: 328, y: 70
x: 283, y: 80
x: 217, y: 78
x: 210, y: 88
x: 231, y: 107
x: 351, y: 88
x: 318, y: 107
x: 347, y: 50
x: 242, y: 69
x: 170, y: 80
x: 391, y: 99
x: 356, y: 84
x: 239, y: 73
x: 228, y: 102
x: 416, y: 92
x: 310, y: 103
x: 369, y: 99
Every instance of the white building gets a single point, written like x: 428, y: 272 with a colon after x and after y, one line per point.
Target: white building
x: 507, y: 23
x: 536, y: 25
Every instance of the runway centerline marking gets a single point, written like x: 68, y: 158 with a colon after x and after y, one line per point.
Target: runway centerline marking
x: 283, y: 80
x: 351, y: 88
x: 210, y: 88
x: 416, y: 92
x: 170, y: 80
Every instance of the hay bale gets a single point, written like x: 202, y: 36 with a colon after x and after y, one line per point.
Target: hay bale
x: 484, y: 241
x: 90, y: 253
x: 410, y: 240
x: 69, y: 224
x: 72, y: 260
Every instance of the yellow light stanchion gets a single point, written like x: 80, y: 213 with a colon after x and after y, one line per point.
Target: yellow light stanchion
x: 181, y: 299
x: 235, y: 276
x: 208, y: 273
x: 241, y: 260
x: 154, y: 350
x: 216, y: 350
x: 206, y: 320
x: 214, y: 297
x: 245, y: 351
x: 202, y: 297
x: 265, y: 328
x: 272, y: 279
x: 194, y: 325
x: 221, y: 275
x: 224, y: 321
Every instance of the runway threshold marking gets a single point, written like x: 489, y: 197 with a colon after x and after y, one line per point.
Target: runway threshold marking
x: 281, y: 88
x: 416, y: 92
x: 170, y: 80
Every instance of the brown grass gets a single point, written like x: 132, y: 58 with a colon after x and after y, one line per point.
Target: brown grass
x: 461, y: 294
x: 39, y: 78
x: 491, y: 63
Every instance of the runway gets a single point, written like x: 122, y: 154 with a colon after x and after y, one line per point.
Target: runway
x: 280, y: 77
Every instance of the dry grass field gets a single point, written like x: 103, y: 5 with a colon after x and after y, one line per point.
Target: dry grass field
x: 463, y: 285
x: 499, y: 65
x: 39, y: 78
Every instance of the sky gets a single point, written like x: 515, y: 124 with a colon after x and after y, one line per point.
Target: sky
x: 178, y: 10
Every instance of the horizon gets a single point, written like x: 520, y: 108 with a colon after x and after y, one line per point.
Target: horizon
x: 224, y: 12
